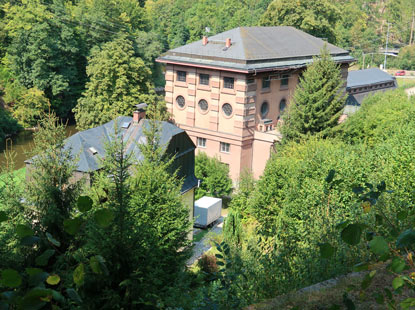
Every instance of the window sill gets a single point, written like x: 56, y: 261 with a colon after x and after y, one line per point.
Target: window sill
x: 229, y: 91
x: 203, y: 87
x: 180, y: 84
x: 285, y: 87
x: 265, y: 90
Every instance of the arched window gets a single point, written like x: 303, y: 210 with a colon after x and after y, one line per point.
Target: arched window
x: 203, y: 105
x: 227, y: 109
x: 180, y: 101
x: 283, y: 104
x: 264, y: 109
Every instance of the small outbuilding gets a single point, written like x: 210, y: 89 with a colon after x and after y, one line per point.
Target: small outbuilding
x: 89, y: 147
x: 362, y: 83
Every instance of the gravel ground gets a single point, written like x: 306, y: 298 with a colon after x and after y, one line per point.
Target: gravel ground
x: 203, y: 245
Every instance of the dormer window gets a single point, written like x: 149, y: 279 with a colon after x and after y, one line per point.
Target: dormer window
x: 228, y: 82
x: 181, y: 76
x: 93, y: 150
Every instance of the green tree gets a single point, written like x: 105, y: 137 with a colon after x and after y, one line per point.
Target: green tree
x: 317, y: 102
x: 8, y: 125
x: 31, y: 107
x: 406, y: 58
x: 146, y: 245
x: 118, y: 80
x: 51, y: 192
x: 10, y: 206
x: 240, y: 200
x: 316, y: 17
x: 44, y: 53
x: 214, y: 176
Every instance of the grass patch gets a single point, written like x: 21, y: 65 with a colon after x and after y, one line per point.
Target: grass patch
x: 200, y: 235
x: 19, y: 176
x: 405, y: 83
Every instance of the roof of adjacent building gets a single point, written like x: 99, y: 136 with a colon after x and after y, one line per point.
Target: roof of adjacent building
x: 255, y: 48
x: 363, y: 78
x: 88, y: 146
x: 368, y: 77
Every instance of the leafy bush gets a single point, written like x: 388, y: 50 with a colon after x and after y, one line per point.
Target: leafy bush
x: 380, y: 116
x: 207, y: 263
x: 214, y: 176
x: 393, y: 246
x: 297, y: 211
x: 405, y: 59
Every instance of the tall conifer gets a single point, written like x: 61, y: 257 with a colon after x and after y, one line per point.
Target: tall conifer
x: 318, y: 100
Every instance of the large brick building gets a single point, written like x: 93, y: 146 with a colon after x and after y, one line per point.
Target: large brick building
x: 228, y: 91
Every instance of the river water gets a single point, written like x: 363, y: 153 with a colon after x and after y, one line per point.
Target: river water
x: 22, y: 144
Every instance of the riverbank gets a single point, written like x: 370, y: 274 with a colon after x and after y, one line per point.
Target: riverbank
x: 22, y: 145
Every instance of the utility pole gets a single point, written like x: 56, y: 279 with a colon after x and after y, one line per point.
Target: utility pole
x: 412, y: 28
x: 386, y: 49
x: 363, y: 54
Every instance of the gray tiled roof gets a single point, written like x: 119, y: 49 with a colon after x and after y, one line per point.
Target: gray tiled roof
x: 253, y: 46
x: 368, y: 77
x: 97, y: 137
x: 81, y: 142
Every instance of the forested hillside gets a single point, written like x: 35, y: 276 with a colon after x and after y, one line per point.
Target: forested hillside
x: 333, y: 197
x: 53, y: 53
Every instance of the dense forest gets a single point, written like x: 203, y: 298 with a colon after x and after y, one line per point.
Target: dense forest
x: 59, y: 54
x: 332, y: 199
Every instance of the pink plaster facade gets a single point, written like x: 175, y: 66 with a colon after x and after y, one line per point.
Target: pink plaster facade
x: 251, y: 134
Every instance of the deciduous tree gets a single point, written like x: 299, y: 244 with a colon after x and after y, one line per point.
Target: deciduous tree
x: 118, y: 80
x: 316, y: 17
x: 214, y: 176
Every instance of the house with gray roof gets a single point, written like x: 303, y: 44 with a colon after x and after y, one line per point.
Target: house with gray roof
x: 362, y: 83
x: 88, y: 147
x: 229, y: 90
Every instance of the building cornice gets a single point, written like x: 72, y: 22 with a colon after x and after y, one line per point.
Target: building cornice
x: 258, y: 67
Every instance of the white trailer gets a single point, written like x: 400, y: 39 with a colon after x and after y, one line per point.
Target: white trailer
x: 207, y: 210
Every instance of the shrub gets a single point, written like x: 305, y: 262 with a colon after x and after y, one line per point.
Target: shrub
x: 214, y: 176
x: 207, y: 263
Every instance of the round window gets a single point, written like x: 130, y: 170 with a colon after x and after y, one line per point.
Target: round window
x: 180, y: 101
x: 283, y: 104
x: 227, y: 109
x: 264, y: 109
x: 203, y: 105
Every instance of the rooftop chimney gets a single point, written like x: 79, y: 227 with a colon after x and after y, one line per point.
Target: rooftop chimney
x: 205, y: 40
x: 228, y: 42
x: 139, y: 113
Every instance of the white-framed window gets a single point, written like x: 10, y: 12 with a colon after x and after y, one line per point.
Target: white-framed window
x: 201, y: 142
x: 225, y: 147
